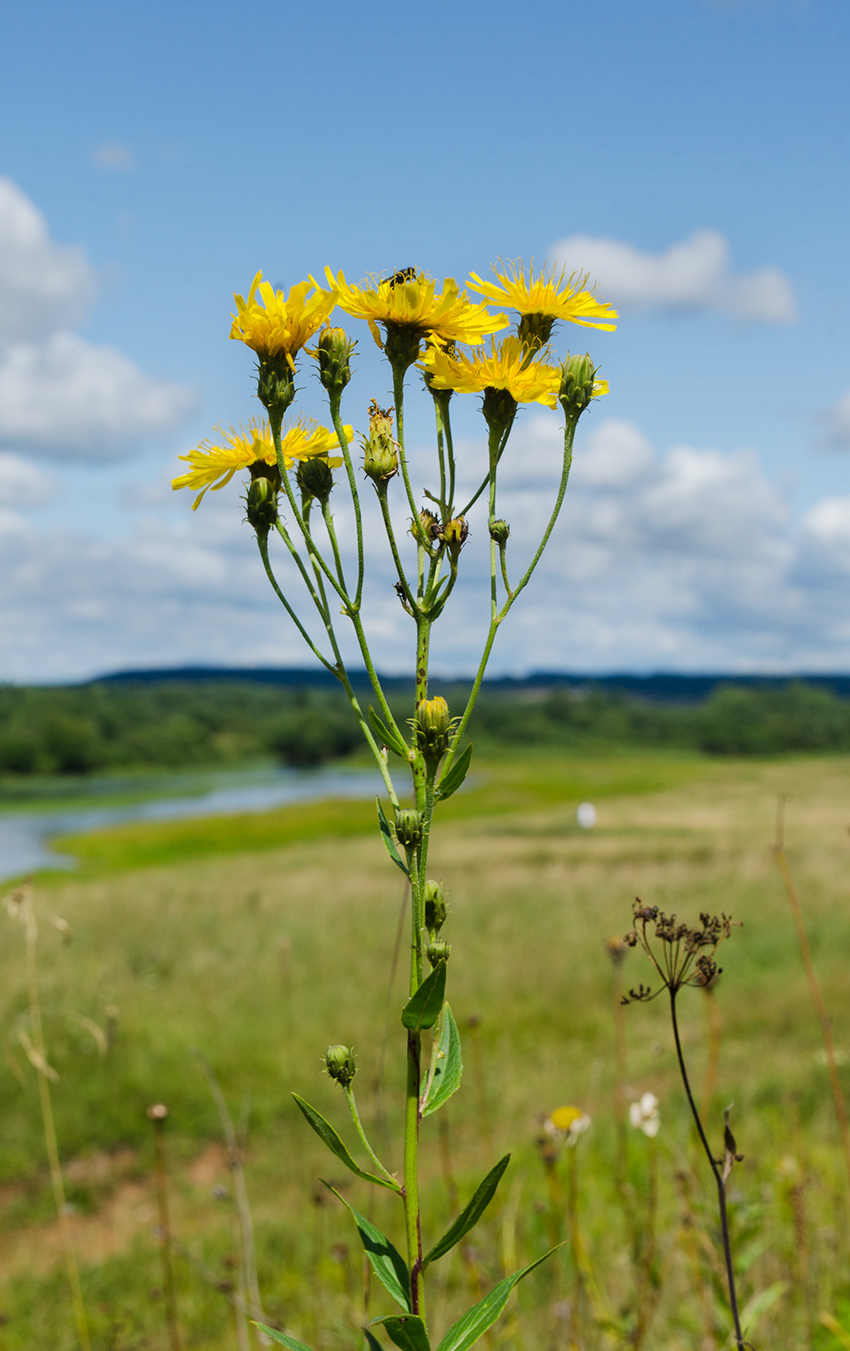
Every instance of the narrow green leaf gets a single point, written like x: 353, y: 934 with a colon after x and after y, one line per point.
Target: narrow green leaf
x: 455, y: 774
x: 408, y: 1332
x: 328, y: 1136
x: 280, y: 1337
x: 386, y: 735
x: 466, y: 1331
x: 471, y: 1214
x: 385, y: 1260
x: 447, y: 1074
x: 371, y: 1341
x: 423, y: 1008
x: 389, y: 840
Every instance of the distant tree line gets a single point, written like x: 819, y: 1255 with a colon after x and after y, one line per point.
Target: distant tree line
x: 180, y: 724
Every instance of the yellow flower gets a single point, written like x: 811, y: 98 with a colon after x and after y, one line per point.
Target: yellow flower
x: 505, y: 366
x: 213, y: 466
x: 281, y: 324
x: 409, y: 300
x: 551, y: 295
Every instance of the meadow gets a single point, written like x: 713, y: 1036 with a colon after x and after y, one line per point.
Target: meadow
x: 260, y: 940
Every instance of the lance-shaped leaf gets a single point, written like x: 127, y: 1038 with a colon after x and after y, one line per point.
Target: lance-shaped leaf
x: 389, y: 840
x: 371, y: 1341
x: 328, y: 1136
x: 471, y: 1214
x: 455, y: 774
x: 408, y: 1332
x: 449, y: 1067
x: 466, y: 1331
x: 385, y: 1260
x: 386, y: 735
x: 280, y: 1337
x: 423, y: 1008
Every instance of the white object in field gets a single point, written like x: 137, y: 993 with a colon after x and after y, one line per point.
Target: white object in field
x: 644, y: 1115
x: 586, y: 815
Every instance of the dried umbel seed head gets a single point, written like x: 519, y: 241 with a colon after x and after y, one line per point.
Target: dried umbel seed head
x: 438, y: 951
x: 333, y: 353
x: 408, y: 827
x: 578, y: 377
x: 454, y: 535
x: 380, y: 453
x: 686, y: 955
x: 435, y: 907
x: 339, y: 1063
x: 500, y: 531
x: 315, y: 478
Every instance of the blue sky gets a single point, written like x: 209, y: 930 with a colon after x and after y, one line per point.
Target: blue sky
x: 692, y: 154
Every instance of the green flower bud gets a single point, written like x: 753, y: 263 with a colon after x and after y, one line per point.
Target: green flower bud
x: 315, y: 478
x: 380, y: 453
x: 499, y: 409
x: 275, y: 384
x: 578, y: 376
x: 435, y: 907
x: 408, y: 827
x: 339, y: 1062
x: 432, y: 726
x: 499, y: 531
x: 454, y: 535
x: 438, y: 951
x: 428, y: 525
x: 261, y: 498
x: 333, y: 353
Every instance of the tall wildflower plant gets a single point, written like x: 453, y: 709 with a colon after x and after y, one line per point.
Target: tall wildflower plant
x: 446, y: 341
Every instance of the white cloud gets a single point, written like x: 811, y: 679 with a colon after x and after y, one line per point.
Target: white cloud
x: 67, y: 396
x: 23, y: 484
x: 60, y: 394
x: 691, y: 276
x: 837, y: 422
x: 114, y: 155
x: 43, y: 285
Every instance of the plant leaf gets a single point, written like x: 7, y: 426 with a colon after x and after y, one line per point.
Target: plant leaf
x: 447, y: 1075
x: 408, y: 1332
x: 386, y: 735
x: 466, y: 1331
x: 424, y: 1007
x: 328, y: 1136
x: 471, y: 1214
x: 385, y: 1260
x: 280, y: 1337
x: 455, y: 774
x: 372, y: 1341
x: 389, y: 841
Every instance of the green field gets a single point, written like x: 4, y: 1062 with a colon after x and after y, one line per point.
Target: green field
x: 260, y: 939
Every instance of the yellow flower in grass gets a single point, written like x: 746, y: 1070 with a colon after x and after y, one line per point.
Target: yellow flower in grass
x: 273, y: 324
x: 541, y: 300
x: 411, y: 309
x: 505, y: 366
x: 213, y: 465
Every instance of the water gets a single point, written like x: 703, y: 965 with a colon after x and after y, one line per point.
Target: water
x: 25, y: 835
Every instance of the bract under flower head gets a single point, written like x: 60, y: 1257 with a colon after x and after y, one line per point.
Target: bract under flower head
x: 410, y: 300
x: 280, y: 325
x: 213, y: 465
x: 505, y: 366
x: 552, y: 293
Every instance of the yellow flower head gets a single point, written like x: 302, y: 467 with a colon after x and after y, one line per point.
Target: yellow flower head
x: 551, y: 295
x: 505, y: 366
x: 213, y: 466
x: 280, y: 325
x: 409, y: 300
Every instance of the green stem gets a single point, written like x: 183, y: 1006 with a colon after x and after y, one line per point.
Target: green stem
x: 263, y: 545
x: 411, y: 1174
x: 398, y: 401
x: 358, y: 1126
x: 312, y: 549
x: 355, y: 496
x: 331, y: 529
x: 388, y: 526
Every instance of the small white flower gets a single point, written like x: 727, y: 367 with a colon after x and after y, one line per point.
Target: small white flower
x: 586, y: 815
x: 644, y: 1115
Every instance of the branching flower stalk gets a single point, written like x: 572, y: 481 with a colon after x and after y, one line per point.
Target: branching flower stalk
x: 683, y: 956
x: 447, y: 340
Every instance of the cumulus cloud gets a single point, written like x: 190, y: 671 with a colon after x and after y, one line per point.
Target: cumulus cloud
x: 114, y: 155
x: 691, y: 276
x: 68, y: 397
x: 60, y: 394
x: 23, y: 484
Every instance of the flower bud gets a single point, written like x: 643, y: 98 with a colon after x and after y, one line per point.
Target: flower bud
x: 435, y: 907
x: 578, y: 376
x: 380, y: 454
x: 432, y: 726
x: 499, y: 409
x: 499, y: 531
x: 333, y: 353
x: 454, y: 535
x: 408, y: 827
x: 261, y: 501
x: 315, y: 478
x: 438, y: 951
x: 427, y: 524
x: 275, y: 384
x: 339, y: 1062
